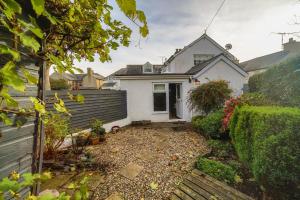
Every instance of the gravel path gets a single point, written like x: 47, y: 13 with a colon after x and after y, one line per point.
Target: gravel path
x: 165, y: 156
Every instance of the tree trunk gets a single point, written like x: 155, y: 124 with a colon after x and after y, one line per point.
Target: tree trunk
x: 47, y: 78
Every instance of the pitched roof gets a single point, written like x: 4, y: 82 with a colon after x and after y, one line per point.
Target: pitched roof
x: 197, y: 40
x: 137, y: 70
x: 73, y: 77
x: 198, y: 68
x: 265, y: 61
x: 109, y: 84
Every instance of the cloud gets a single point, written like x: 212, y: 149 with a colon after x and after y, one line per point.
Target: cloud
x: 247, y: 25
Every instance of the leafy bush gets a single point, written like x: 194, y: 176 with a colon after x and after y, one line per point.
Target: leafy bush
x: 97, y: 128
x: 59, y: 84
x: 217, y: 170
x: 209, y: 96
x: 281, y: 83
x: 267, y: 140
x: 220, y: 148
x: 56, y: 130
x: 210, y: 126
x: 256, y: 99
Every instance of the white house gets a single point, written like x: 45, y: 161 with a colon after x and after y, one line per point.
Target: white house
x: 160, y: 92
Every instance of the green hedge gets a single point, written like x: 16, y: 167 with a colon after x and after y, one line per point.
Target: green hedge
x: 210, y: 125
x: 267, y: 139
x: 217, y: 170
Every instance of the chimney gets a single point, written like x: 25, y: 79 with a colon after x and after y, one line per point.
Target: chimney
x: 177, y: 50
x: 292, y: 46
x: 89, y: 72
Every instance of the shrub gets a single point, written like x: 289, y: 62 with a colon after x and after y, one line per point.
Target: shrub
x: 209, y: 96
x: 281, y: 83
x: 217, y: 170
x: 59, y: 84
x: 267, y: 140
x: 220, y: 148
x: 210, y: 126
x: 256, y: 99
x: 56, y: 129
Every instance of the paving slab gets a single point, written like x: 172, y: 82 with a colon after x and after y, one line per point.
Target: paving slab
x: 115, y: 196
x: 131, y: 170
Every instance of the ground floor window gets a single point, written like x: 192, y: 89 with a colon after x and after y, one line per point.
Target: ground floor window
x: 159, y: 97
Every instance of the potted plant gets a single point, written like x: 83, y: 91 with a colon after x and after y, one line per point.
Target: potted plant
x: 97, y: 132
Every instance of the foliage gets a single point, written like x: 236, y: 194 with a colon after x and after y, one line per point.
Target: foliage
x: 59, y: 84
x: 228, y: 111
x: 267, y: 140
x: 217, y: 170
x: 281, y: 83
x: 209, y: 96
x: 13, y: 184
x: 67, y: 31
x: 210, y: 125
x: 256, y: 99
x: 56, y: 130
x: 97, y: 127
x: 220, y: 148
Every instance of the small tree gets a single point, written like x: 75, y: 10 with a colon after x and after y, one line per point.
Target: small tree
x: 56, y: 130
x: 209, y: 96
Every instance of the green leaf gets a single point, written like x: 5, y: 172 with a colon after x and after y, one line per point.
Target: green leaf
x: 10, y: 102
x: 6, y: 50
x: 7, y: 185
x: 39, y: 105
x: 29, y: 42
x: 7, y: 121
x: 30, y: 78
x: 33, y: 27
x: 14, y: 6
x: 51, y: 18
x: 38, y: 6
x: 10, y: 77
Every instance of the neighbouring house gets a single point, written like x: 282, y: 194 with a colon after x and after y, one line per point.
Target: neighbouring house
x: 160, y: 92
x: 90, y: 80
x: 261, y: 64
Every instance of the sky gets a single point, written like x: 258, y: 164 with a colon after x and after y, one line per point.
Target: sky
x: 249, y: 25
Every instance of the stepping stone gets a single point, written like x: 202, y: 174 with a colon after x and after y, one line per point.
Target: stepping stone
x: 131, y: 171
x: 115, y: 196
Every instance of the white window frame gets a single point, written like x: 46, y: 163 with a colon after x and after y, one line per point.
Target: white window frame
x: 207, y: 55
x: 147, y: 64
x: 161, y: 91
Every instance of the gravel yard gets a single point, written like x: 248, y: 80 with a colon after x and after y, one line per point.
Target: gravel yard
x: 146, y: 162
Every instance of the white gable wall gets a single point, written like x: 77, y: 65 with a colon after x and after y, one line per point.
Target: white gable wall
x: 223, y: 71
x: 185, y: 60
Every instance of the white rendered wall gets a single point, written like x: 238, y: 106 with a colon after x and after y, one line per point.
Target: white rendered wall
x: 185, y: 60
x: 222, y: 71
x: 140, y: 100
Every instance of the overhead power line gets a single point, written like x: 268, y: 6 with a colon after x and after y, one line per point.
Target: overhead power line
x: 211, y: 21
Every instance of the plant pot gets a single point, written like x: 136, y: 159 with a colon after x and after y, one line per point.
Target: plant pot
x: 94, y: 140
x: 102, y: 138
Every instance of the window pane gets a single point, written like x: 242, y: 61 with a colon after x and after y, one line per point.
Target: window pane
x: 159, y: 87
x: 160, y: 102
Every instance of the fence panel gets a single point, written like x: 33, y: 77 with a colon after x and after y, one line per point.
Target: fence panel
x: 106, y: 105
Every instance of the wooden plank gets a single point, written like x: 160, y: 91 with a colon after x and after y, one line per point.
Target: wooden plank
x: 224, y: 186
x: 182, y: 195
x: 198, y: 189
x: 174, y: 197
x: 209, y: 188
x: 191, y: 192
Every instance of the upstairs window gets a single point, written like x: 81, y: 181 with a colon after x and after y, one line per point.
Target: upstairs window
x: 200, y: 58
x: 159, y: 97
x: 147, y: 68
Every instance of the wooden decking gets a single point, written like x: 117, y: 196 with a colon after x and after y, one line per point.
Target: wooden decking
x: 199, y: 186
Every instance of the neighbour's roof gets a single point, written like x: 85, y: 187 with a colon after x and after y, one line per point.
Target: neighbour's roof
x: 73, y: 77
x: 264, y: 61
x: 98, y: 76
x: 137, y: 70
x: 201, y: 66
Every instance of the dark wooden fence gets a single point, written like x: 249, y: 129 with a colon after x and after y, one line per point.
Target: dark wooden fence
x: 106, y: 105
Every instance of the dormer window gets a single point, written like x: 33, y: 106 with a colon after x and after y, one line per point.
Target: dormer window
x: 147, y: 68
x: 200, y: 58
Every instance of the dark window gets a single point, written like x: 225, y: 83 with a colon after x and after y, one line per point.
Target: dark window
x: 178, y: 91
x: 160, y: 103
